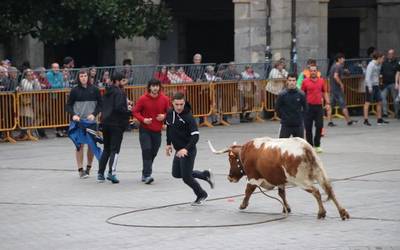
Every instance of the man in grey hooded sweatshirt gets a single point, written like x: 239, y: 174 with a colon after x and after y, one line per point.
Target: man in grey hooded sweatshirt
x: 372, y: 91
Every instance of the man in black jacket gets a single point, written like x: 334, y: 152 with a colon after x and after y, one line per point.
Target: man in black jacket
x: 388, y: 72
x: 115, y: 118
x: 290, y: 106
x: 183, y: 134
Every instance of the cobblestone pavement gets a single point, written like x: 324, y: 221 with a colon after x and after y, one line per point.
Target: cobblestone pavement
x: 44, y: 205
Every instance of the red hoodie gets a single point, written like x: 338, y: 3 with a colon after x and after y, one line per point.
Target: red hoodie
x: 149, y: 107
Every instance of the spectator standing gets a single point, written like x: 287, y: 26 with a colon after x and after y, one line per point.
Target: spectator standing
x: 4, y: 80
x: 315, y: 90
x: 290, y: 106
x: 106, y: 80
x: 230, y: 73
x: 337, y: 90
x: 209, y: 75
x: 397, y: 99
x: 55, y: 77
x: 196, y: 71
x: 93, y: 77
x: 182, y: 134
x: 162, y: 75
x: 27, y: 114
x: 84, y: 102
x: 115, y: 118
x: 13, y: 77
x: 372, y: 91
x: 306, y: 72
x: 388, y: 72
x: 42, y: 79
x: 150, y: 111
x: 278, y: 72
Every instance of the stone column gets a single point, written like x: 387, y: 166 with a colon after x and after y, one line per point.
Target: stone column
x: 281, y: 13
x: 140, y: 50
x: 27, y: 49
x: 250, y: 23
x: 312, y: 30
x: 388, y: 35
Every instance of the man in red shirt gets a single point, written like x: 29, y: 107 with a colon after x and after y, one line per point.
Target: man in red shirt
x: 315, y: 89
x: 150, y: 111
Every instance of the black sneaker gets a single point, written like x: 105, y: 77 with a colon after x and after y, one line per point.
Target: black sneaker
x: 349, y: 123
x: 331, y: 124
x: 381, y: 121
x: 210, y: 178
x: 148, y: 180
x: 366, y: 123
x: 82, y: 174
x: 199, y: 200
x: 100, y: 178
x: 113, y: 178
x: 87, y: 171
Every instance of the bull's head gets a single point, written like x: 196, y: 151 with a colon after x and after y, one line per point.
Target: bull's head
x: 236, y: 170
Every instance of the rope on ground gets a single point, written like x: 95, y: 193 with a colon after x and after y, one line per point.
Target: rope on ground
x: 109, y: 220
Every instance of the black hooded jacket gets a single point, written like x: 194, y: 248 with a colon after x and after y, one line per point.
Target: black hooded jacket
x: 182, y: 129
x: 115, y: 108
x: 290, y: 106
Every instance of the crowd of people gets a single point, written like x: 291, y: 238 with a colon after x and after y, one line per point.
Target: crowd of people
x: 302, y: 106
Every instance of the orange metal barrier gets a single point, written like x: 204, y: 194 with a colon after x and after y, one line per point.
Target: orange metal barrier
x: 8, y: 121
x: 354, y: 91
x: 42, y: 109
x: 7, y: 111
x: 273, y: 87
x: 199, y: 95
x: 226, y: 99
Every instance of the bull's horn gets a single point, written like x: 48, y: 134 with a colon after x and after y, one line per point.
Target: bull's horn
x: 215, y: 151
x: 234, y: 143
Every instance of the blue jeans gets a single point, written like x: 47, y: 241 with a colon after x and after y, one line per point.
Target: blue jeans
x: 389, y: 88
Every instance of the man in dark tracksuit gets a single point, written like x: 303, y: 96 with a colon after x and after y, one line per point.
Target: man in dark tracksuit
x: 183, y: 134
x: 290, y: 106
x: 115, y: 118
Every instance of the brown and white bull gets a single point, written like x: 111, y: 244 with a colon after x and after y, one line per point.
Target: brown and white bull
x: 269, y: 162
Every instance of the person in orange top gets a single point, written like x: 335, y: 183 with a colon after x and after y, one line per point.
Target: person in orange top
x: 150, y: 111
x: 315, y: 90
x: 306, y: 72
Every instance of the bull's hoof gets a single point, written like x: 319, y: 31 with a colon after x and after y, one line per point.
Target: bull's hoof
x: 288, y: 210
x: 344, y: 214
x: 322, y: 215
x: 243, y: 206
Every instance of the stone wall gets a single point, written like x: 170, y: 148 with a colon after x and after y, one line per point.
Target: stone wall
x: 388, y: 25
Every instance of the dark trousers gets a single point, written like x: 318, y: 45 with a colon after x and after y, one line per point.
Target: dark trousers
x: 112, y: 138
x: 286, y: 132
x: 183, y: 168
x: 314, y: 115
x: 150, y: 143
